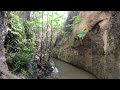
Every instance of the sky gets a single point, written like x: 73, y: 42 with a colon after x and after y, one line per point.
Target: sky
x: 65, y: 13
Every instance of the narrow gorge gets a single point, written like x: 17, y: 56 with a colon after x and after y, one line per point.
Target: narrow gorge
x: 98, y: 52
x: 59, y: 45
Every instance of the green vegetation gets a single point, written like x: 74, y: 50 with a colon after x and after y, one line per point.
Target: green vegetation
x: 81, y: 33
x: 75, y: 19
x: 63, y: 33
x: 22, y: 62
x: 25, y: 52
x: 18, y: 49
x: 20, y: 43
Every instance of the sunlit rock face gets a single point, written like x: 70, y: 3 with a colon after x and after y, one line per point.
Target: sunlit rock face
x: 99, y: 51
x: 3, y: 32
x: 4, y: 72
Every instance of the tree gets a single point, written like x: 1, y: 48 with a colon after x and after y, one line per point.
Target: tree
x: 22, y: 29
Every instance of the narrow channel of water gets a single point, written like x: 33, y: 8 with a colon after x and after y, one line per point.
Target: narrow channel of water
x: 67, y: 71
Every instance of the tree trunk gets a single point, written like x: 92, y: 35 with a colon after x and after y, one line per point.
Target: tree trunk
x: 25, y: 16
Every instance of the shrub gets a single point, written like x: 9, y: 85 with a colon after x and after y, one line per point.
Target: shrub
x: 22, y: 62
x: 75, y: 19
x: 81, y: 33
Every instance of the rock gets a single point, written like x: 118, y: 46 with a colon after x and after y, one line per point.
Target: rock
x: 7, y: 75
x: 99, y: 51
x: 4, y: 72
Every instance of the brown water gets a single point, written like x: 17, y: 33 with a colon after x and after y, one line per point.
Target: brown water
x: 67, y: 71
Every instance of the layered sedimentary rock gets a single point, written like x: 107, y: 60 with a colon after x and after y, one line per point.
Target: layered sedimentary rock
x: 99, y: 51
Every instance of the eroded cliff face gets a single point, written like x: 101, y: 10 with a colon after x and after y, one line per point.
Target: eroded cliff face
x: 4, y: 72
x: 99, y: 51
x: 3, y: 32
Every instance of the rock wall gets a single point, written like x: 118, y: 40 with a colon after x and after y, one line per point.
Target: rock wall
x: 99, y: 51
x: 68, y: 21
x: 4, y: 72
x: 3, y: 32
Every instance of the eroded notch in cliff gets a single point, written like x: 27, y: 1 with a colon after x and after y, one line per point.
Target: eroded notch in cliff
x: 96, y: 28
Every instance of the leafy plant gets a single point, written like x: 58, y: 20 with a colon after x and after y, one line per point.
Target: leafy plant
x: 20, y: 48
x: 23, y: 62
x: 20, y: 61
x: 75, y: 19
x: 15, y: 33
x: 15, y: 23
x: 63, y: 33
x: 81, y: 33
x: 71, y: 26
